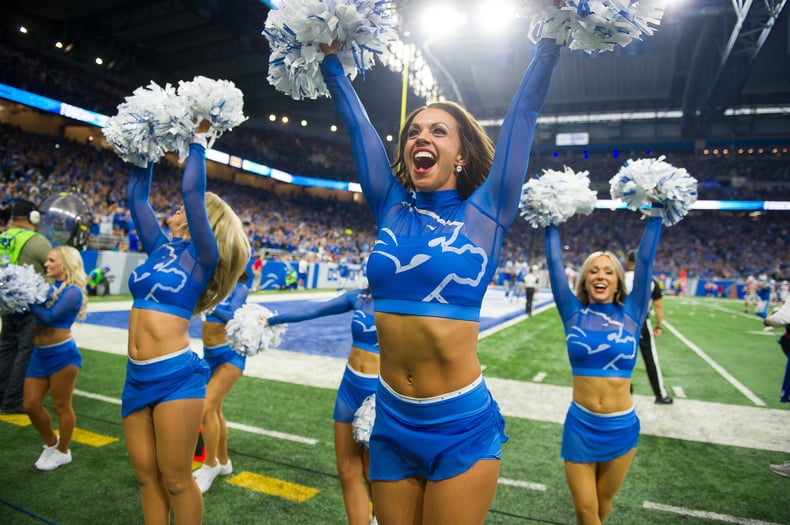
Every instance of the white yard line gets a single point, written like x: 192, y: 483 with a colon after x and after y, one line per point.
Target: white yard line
x: 716, y: 366
x: 703, y: 514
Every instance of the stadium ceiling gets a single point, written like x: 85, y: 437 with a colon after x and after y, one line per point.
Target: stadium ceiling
x: 707, y: 56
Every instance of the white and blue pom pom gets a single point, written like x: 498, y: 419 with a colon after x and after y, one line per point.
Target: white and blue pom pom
x: 363, y: 28
x: 218, y: 101
x: 639, y: 183
x: 21, y: 286
x: 248, y: 332
x: 151, y: 122
x: 556, y: 196
x: 594, y: 25
x: 364, y: 418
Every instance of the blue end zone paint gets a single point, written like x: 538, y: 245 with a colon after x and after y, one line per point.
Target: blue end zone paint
x: 327, y: 336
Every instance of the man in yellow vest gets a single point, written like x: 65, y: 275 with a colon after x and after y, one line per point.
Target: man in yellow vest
x: 19, y: 244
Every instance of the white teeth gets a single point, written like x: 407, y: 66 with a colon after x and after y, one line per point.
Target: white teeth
x: 423, y: 155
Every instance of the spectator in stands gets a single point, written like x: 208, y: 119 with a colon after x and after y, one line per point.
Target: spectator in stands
x: 163, y: 398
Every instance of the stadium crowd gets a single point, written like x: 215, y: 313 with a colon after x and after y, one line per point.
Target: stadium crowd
x: 707, y: 244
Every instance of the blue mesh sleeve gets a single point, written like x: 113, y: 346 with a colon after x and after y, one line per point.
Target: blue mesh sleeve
x: 638, y: 300
x: 566, y: 301
x: 501, y: 191
x: 224, y: 311
x: 193, y: 190
x: 63, y: 312
x: 340, y: 304
x: 379, y: 185
x: 137, y: 191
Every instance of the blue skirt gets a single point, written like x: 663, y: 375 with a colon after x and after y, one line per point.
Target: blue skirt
x: 181, y: 376
x: 588, y: 437
x: 46, y: 360
x: 437, y: 438
x: 353, y: 390
x: 221, y: 354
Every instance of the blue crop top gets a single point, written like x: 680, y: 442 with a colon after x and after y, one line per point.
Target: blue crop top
x: 436, y: 252
x: 64, y: 312
x: 363, y: 326
x: 224, y: 311
x: 602, y: 339
x: 176, y: 271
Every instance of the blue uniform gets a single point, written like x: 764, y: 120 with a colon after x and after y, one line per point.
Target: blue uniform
x: 46, y: 360
x: 435, y: 255
x: 602, y: 341
x: 222, y: 313
x: 171, y: 280
x: 355, y: 386
x: 363, y: 326
x: 176, y: 271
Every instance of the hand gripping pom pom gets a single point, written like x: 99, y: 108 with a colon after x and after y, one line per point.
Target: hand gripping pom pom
x: 594, y: 25
x: 364, y: 28
x: 21, y: 286
x: 218, y: 101
x: 556, y: 196
x: 151, y: 122
x: 364, y: 417
x: 640, y: 183
x: 248, y: 333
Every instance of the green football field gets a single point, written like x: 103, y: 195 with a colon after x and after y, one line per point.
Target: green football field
x: 703, y: 460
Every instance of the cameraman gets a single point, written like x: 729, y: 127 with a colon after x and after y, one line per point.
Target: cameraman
x: 99, y: 277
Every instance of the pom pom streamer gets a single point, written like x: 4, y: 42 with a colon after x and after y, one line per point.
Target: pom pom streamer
x: 156, y: 120
x: 594, y: 25
x: 248, y: 333
x: 364, y: 417
x: 21, y: 286
x: 556, y: 196
x: 363, y: 28
x: 151, y: 122
x: 639, y: 183
x: 218, y: 101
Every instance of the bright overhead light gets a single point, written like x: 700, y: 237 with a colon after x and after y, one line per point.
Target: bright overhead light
x: 495, y: 15
x: 441, y: 19
x: 99, y: 61
x: 23, y: 29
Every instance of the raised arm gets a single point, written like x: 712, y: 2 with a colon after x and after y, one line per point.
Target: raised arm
x: 501, y: 191
x: 138, y: 190
x: 563, y: 296
x: 340, y: 304
x: 639, y: 298
x: 193, y: 191
x: 370, y: 157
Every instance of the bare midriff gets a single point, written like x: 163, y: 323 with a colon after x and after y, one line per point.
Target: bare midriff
x: 155, y: 334
x: 427, y: 356
x: 603, y: 395
x: 46, y: 335
x: 214, y: 334
x: 363, y: 361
